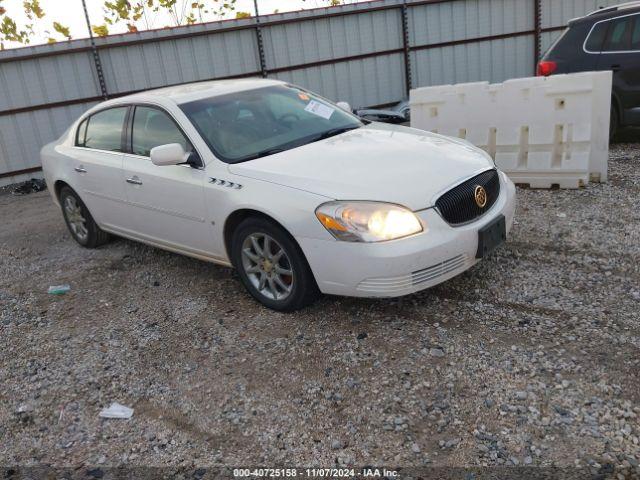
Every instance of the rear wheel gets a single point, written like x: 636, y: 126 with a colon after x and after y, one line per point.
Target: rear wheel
x: 271, y: 266
x: 614, y: 123
x: 80, y: 223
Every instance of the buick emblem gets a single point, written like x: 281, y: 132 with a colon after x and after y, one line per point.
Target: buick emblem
x: 480, y: 195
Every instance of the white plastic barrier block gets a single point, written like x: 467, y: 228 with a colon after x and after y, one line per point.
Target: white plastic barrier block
x: 541, y: 131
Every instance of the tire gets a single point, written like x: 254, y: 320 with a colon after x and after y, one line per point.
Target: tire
x: 614, y: 124
x: 280, y: 281
x: 80, y: 223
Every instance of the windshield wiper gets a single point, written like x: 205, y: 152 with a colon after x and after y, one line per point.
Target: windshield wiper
x: 333, y: 132
x: 262, y: 153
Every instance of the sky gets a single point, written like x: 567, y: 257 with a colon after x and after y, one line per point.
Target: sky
x: 70, y: 14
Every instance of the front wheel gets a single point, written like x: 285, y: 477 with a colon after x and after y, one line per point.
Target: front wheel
x: 271, y: 266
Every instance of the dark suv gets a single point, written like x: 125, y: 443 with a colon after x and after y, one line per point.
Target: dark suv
x: 607, y: 39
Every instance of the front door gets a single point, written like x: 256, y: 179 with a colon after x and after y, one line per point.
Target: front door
x: 168, y: 201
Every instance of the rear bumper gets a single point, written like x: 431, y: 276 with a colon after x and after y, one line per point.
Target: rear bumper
x: 404, y: 266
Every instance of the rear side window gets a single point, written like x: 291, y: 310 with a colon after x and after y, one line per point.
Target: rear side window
x: 153, y: 127
x: 618, y: 35
x: 103, y: 130
x: 596, y: 37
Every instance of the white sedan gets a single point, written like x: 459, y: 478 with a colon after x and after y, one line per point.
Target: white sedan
x: 296, y: 193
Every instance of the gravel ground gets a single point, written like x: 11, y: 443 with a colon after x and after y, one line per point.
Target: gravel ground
x: 530, y: 358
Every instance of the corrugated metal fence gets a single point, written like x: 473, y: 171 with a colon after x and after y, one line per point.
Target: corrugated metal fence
x: 367, y: 53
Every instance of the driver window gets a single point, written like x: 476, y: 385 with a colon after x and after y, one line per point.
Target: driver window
x: 153, y: 127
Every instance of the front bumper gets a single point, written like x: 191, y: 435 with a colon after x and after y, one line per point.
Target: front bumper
x: 400, y: 267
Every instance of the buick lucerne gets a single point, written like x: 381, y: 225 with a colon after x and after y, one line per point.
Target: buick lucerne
x: 295, y: 192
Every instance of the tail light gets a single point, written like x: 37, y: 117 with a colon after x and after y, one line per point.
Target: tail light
x: 546, y: 68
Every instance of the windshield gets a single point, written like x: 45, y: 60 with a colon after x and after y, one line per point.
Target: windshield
x: 255, y: 123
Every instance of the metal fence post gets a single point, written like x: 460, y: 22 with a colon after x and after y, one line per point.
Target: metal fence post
x: 263, y: 63
x: 537, y: 19
x: 96, y: 56
x: 406, y: 47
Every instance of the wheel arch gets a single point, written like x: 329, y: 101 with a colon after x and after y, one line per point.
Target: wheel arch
x: 57, y: 187
x: 238, y: 216
x: 307, y: 275
x: 59, y: 184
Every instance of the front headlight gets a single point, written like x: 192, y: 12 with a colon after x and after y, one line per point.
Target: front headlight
x: 367, y: 221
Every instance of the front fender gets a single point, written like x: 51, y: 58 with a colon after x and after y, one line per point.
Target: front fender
x: 292, y: 208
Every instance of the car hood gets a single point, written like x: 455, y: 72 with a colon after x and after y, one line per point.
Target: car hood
x: 377, y: 162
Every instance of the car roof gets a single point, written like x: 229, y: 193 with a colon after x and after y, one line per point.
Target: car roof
x: 189, y: 92
x: 609, y: 12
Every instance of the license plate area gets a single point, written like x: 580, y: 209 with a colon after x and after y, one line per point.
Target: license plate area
x: 491, y: 236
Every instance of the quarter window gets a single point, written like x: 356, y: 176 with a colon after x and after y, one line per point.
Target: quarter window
x: 596, y: 38
x: 103, y: 130
x: 82, y: 133
x: 153, y: 127
x: 618, y: 35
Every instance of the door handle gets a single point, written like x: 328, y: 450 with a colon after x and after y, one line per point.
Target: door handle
x: 134, y: 181
x: 616, y: 68
x: 80, y: 169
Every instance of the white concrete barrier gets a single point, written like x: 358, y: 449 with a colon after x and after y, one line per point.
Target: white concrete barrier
x: 541, y: 131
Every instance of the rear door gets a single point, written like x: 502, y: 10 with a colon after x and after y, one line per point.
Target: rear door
x: 621, y: 54
x: 97, y: 162
x: 168, y: 201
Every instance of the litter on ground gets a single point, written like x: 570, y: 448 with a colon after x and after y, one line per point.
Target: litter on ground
x: 58, y: 289
x: 115, y: 410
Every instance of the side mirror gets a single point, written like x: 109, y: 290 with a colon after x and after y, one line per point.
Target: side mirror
x: 170, y: 154
x: 344, y: 106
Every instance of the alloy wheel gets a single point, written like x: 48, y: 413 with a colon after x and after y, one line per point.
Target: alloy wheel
x: 267, y: 266
x: 75, y: 218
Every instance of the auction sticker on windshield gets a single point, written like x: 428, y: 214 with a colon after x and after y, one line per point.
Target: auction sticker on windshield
x: 319, y: 109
